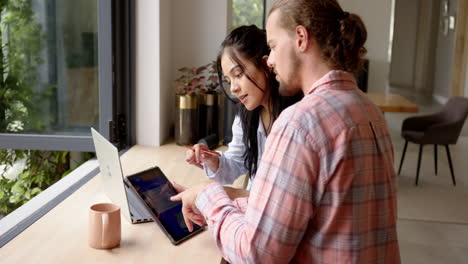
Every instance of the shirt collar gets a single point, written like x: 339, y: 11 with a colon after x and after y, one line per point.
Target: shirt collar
x: 332, y: 76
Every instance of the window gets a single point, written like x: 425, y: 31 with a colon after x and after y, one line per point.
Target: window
x: 248, y: 12
x: 59, y: 60
x: 57, y: 73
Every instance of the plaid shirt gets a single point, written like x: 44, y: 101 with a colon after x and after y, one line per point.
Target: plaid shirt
x: 325, y: 190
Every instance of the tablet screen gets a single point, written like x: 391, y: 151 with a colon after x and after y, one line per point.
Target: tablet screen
x: 155, y: 190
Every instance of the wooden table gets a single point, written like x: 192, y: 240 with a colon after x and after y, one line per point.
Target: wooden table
x: 393, y: 103
x: 60, y: 236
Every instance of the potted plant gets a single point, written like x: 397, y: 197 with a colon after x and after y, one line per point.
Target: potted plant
x: 188, y: 85
x: 209, y: 106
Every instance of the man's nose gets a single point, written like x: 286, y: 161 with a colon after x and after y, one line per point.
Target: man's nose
x: 270, y: 61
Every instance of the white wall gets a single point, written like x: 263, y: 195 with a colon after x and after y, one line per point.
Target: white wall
x: 171, y: 34
x: 444, y: 57
x: 147, y: 72
x: 198, y: 28
x: 404, y: 44
x: 466, y: 82
x: 413, y: 46
x: 426, y: 46
x: 377, y: 18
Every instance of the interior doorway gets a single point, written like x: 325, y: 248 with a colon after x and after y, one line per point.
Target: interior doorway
x: 429, y: 51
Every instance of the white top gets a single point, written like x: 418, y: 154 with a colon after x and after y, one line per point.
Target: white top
x: 231, y: 162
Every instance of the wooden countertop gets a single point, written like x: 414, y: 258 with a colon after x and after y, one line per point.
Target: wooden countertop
x: 60, y: 236
x: 392, y: 103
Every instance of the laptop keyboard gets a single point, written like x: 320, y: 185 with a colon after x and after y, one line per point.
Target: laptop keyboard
x: 138, y: 212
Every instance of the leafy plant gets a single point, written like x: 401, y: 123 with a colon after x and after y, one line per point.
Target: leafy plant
x: 190, y: 80
x: 42, y: 169
x: 22, y: 43
x: 212, y: 82
x: 20, y: 56
x: 197, y: 80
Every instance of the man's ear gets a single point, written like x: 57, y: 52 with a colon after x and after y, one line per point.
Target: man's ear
x: 302, y: 38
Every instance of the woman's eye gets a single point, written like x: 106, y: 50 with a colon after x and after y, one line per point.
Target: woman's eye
x: 238, y: 75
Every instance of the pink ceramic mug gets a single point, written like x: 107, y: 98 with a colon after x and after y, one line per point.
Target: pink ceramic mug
x: 104, y: 226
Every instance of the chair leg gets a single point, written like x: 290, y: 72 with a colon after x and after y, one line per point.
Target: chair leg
x: 435, y: 158
x: 450, y: 163
x: 403, y: 156
x: 419, y: 163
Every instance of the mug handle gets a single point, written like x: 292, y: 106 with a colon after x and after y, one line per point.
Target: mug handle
x: 105, y: 229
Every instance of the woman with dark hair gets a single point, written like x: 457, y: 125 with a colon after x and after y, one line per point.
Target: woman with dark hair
x: 244, y: 74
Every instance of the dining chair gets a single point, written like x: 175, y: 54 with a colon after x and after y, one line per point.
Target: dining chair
x: 441, y: 128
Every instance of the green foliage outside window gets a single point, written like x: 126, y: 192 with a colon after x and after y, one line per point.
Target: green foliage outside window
x: 22, y: 42
x: 247, y: 12
x: 42, y: 169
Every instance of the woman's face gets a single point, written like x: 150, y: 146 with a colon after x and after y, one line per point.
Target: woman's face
x: 250, y: 95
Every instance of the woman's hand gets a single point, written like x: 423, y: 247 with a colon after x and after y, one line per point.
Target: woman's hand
x: 197, y: 157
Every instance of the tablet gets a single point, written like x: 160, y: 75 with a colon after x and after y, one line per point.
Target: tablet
x: 154, y: 190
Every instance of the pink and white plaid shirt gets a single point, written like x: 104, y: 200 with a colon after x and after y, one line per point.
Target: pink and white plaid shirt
x: 325, y: 190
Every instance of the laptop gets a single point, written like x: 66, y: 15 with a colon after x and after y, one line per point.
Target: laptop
x: 113, y: 179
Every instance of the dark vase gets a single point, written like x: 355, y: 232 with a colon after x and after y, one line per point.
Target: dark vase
x: 220, y: 117
x: 362, y: 76
x: 209, y: 114
x: 230, y: 110
x: 186, y: 126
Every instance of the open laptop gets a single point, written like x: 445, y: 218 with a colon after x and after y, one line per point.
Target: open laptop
x: 113, y: 179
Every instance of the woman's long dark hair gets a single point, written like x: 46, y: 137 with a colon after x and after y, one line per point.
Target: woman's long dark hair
x: 249, y: 42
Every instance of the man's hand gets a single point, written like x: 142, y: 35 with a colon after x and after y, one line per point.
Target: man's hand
x: 188, y: 197
x: 179, y: 188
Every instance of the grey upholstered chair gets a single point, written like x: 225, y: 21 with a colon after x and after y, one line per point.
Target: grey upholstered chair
x: 442, y: 128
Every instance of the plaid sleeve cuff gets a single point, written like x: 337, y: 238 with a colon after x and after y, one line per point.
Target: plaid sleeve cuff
x: 211, y: 198
x: 241, y: 203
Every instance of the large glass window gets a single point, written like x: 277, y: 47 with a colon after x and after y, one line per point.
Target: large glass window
x: 56, y: 64
x: 49, y: 86
x: 50, y: 74
x: 248, y: 12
